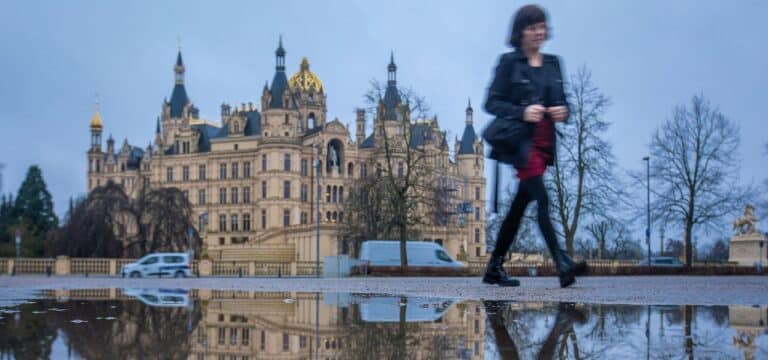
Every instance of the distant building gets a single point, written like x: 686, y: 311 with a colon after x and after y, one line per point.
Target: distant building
x: 250, y: 176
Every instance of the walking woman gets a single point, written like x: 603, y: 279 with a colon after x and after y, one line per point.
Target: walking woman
x: 527, y: 90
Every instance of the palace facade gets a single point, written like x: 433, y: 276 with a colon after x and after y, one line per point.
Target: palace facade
x: 250, y: 175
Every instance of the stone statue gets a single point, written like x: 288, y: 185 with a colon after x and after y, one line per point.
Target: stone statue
x: 745, y: 225
x: 333, y: 157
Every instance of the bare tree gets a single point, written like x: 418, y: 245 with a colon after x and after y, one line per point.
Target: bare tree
x: 409, y: 189
x: 109, y: 224
x: 367, y: 212
x: 694, y: 168
x: 417, y: 104
x: 599, y: 231
x: 164, y: 216
x: 405, y: 171
x: 582, y: 178
x: 96, y: 225
x: 612, y: 238
x: 718, y: 251
x: 674, y: 248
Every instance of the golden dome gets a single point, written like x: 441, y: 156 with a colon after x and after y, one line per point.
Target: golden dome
x: 304, y: 79
x: 96, y: 121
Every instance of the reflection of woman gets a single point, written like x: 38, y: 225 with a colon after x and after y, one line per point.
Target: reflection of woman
x: 567, y: 314
x: 505, y: 346
x: 528, y: 88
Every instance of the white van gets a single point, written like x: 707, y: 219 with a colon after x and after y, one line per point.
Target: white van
x: 159, y: 264
x: 420, y: 253
x: 387, y: 308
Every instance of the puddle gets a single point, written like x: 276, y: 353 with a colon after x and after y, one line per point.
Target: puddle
x: 210, y: 324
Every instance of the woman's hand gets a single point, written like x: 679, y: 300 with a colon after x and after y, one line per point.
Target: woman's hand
x: 534, y: 113
x: 558, y: 113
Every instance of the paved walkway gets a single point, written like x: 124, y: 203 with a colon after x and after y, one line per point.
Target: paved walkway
x: 668, y: 290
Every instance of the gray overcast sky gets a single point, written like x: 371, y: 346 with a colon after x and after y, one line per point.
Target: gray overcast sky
x: 646, y: 55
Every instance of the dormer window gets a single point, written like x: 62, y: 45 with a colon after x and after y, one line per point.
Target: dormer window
x: 236, y: 127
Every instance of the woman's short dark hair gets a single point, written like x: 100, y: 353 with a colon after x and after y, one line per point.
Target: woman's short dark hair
x: 524, y: 17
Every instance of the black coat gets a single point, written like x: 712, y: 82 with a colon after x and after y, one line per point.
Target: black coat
x: 511, y: 92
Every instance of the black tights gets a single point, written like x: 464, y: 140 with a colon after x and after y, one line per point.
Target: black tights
x: 531, y: 189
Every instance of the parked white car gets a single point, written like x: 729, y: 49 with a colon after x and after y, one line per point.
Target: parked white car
x: 420, y: 253
x: 159, y: 264
x: 161, y: 297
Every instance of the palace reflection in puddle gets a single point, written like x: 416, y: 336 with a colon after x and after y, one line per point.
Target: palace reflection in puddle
x: 238, y: 325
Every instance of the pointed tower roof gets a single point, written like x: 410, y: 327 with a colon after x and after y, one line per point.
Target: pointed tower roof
x: 179, y: 97
x: 391, y: 94
x: 280, y: 50
x: 468, y: 139
x: 279, y: 81
x: 469, y: 112
x: 392, y: 67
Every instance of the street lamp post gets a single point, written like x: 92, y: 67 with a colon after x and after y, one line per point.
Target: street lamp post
x: 190, y: 249
x: 18, y: 244
x: 317, y: 217
x: 648, y: 206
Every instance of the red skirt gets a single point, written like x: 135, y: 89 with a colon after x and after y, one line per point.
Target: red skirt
x: 537, y: 164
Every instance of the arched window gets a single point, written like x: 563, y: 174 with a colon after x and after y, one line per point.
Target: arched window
x: 311, y: 122
x: 328, y: 193
x: 341, y: 194
x: 328, y: 216
x: 334, y: 193
x: 350, y: 170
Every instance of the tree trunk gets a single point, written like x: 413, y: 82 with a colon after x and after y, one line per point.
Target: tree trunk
x: 403, y: 254
x: 688, y: 243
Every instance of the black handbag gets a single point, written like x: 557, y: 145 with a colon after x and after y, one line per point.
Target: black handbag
x: 505, y: 134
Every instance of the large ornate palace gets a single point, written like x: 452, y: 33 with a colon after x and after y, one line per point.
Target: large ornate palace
x: 249, y: 177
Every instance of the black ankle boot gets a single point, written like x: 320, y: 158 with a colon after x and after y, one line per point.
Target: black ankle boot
x: 494, y: 273
x: 567, y: 269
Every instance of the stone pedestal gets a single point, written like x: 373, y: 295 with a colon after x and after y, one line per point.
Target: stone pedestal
x: 205, y: 267
x: 746, y: 251
x: 113, y: 267
x: 749, y: 323
x: 63, y: 265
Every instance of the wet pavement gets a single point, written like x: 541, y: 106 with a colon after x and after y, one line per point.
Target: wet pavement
x: 638, y: 290
x: 173, y: 323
